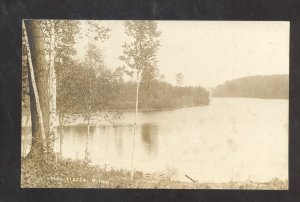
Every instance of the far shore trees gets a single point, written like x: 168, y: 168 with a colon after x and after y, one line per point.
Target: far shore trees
x: 179, y: 79
x: 267, y: 87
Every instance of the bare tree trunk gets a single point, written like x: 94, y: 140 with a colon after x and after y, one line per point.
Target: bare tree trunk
x: 135, y: 124
x: 52, y: 92
x: 40, y: 127
x: 38, y: 146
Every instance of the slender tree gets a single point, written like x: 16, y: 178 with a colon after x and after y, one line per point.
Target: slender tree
x: 94, y: 68
x: 139, y: 56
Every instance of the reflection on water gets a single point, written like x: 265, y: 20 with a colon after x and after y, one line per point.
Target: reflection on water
x: 231, y: 139
x: 118, y: 140
x: 80, y: 130
x: 149, y: 137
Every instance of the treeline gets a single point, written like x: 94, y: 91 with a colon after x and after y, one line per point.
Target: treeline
x: 83, y: 90
x: 161, y: 95
x: 269, y: 87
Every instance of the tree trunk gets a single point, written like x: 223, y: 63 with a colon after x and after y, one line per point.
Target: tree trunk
x: 135, y: 124
x: 38, y: 85
x: 88, y: 118
x: 52, y: 92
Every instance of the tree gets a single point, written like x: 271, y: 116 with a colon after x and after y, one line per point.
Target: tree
x: 139, y: 56
x: 100, y: 89
x: 179, y: 79
x: 38, y: 83
x: 69, y: 73
x: 66, y: 32
x: 162, y: 78
x: 57, y: 38
x: 25, y: 94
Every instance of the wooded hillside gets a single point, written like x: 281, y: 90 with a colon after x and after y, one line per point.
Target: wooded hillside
x: 271, y: 87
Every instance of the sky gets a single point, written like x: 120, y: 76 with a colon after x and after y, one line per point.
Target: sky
x: 207, y: 53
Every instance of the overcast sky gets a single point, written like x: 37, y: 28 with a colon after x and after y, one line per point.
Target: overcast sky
x: 209, y: 53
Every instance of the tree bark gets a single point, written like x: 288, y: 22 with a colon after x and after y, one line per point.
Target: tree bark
x: 38, y: 84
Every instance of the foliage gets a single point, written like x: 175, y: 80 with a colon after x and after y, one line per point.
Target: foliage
x: 79, y: 99
x: 65, y: 34
x: 139, y: 54
x: 99, y: 87
x: 272, y: 86
x: 96, y: 31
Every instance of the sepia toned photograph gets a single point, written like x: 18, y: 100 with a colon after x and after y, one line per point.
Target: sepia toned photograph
x: 155, y: 104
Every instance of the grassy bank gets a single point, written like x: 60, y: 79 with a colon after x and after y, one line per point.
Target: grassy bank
x: 66, y: 173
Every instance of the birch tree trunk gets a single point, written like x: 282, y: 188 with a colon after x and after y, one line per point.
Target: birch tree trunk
x: 38, y: 145
x: 52, y: 91
x: 135, y: 124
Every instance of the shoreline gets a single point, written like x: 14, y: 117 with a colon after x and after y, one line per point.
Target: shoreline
x: 80, y: 122
x: 261, y: 98
x: 36, y: 174
x: 162, y: 109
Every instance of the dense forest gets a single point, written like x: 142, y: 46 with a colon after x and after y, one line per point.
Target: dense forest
x: 269, y: 87
x: 162, y: 96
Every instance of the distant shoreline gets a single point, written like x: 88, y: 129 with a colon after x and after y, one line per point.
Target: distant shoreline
x: 259, y: 86
x: 161, y: 109
x: 262, y: 98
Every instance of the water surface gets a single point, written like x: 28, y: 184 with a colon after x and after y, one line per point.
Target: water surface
x: 232, y: 139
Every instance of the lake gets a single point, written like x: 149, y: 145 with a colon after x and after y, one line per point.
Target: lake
x: 232, y: 139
